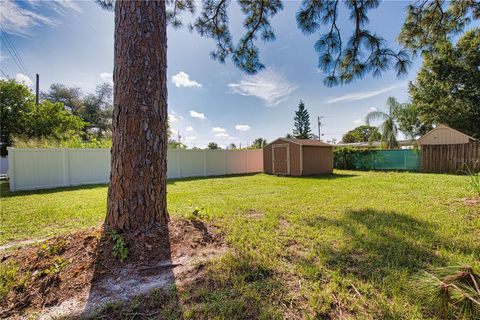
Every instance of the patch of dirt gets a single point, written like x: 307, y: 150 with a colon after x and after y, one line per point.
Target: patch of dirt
x: 471, y: 201
x: 76, y: 274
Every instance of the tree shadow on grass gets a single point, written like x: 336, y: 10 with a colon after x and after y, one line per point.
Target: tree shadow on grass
x: 387, y: 250
x: 379, y: 242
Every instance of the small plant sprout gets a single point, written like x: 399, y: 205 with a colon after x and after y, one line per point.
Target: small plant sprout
x: 119, y: 250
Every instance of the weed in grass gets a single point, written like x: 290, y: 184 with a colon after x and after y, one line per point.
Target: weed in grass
x: 473, y: 178
x: 54, y: 268
x: 50, y: 249
x: 8, y: 277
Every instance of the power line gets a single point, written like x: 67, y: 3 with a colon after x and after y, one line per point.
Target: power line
x: 14, y: 53
x: 5, y: 75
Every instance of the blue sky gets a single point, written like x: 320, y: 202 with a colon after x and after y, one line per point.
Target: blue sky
x: 72, y: 43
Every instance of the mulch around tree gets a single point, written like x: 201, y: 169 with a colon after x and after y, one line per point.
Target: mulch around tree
x: 77, y: 273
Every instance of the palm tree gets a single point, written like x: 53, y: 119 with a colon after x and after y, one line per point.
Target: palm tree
x: 388, y: 128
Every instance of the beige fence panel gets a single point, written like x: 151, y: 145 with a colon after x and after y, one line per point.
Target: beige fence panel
x: 49, y: 168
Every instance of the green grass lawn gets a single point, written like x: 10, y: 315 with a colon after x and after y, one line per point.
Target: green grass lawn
x: 339, y: 246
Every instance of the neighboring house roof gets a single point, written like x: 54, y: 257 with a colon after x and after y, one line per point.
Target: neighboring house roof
x: 449, y: 136
x: 303, y: 142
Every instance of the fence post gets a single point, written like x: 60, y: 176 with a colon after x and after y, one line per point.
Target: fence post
x: 11, y: 168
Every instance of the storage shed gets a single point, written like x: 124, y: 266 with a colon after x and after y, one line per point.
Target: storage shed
x: 297, y: 157
x: 446, y: 150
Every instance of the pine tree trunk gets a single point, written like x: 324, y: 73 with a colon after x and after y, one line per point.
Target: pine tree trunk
x: 137, y: 191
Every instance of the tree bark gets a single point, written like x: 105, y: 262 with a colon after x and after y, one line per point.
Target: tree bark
x: 137, y: 191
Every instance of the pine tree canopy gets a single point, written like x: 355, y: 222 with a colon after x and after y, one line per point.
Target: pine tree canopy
x: 302, y: 123
x: 342, y: 59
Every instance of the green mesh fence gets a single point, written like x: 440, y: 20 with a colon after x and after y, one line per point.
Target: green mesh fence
x: 380, y: 160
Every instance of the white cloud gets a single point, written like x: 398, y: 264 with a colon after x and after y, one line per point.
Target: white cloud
x: 20, y: 20
x: 69, y: 4
x: 172, y: 118
x: 20, y: 77
x: 106, y: 77
x: 269, y: 85
x: 365, y: 94
x: 198, y: 115
x: 371, y: 109
x: 218, y: 129
x: 189, y: 129
x: 242, y: 127
x: 358, y: 121
x: 221, y: 134
x: 182, y: 79
x: 190, y: 138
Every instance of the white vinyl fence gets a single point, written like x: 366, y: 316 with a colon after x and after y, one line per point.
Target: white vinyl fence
x: 3, y: 165
x: 49, y: 168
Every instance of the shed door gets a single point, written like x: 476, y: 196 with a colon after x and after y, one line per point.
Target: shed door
x: 280, y: 159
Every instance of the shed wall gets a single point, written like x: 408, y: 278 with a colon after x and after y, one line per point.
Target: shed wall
x: 295, y: 159
x: 267, y: 159
x: 317, y: 160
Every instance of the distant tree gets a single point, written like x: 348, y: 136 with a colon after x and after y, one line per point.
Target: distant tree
x: 94, y: 108
x: 97, y: 108
x: 15, y: 101
x: 447, y: 87
x: 176, y: 145
x: 362, y: 134
x: 389, y: 127
x: 301, y: 128
x: 258, y: 143
x: 71, y: 97
x: 289, y: 136
x: 50, y: 120
x: 409, y: 122
x: 213, y: 146
x: 21, y: 117
x: 232, y: 146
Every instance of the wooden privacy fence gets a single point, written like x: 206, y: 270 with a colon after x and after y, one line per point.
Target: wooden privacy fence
x: 450, y: 158
x: 49, y: 168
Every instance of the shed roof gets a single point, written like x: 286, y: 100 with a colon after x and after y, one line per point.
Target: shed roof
x: 445, y: 127
x: 303, y: 142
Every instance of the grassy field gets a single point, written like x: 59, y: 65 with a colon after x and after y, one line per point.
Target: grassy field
x: 348, y: 245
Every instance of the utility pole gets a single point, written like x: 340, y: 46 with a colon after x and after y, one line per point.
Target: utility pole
x: 179, y: 137
x: 37, y: 88
x: 319, y: 125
